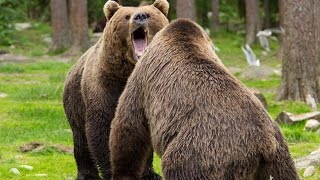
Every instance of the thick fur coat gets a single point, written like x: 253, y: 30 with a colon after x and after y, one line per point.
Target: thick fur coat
x: 95, y: 82
x: 204, y: 123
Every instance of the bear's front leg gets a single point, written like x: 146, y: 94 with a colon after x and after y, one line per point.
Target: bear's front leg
x: 97, y: 133
x: 130, y: 141
x: 99, y: 114
x: 280, y: 166
x: 130, y: 147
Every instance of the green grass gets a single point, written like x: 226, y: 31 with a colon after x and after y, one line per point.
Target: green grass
x: 32, y: 111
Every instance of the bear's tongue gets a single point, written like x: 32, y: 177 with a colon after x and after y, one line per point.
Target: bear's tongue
x: 140, y: 42
x: 139, y: 46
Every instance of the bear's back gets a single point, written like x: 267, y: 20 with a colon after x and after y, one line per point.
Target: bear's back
x: 192, y: 102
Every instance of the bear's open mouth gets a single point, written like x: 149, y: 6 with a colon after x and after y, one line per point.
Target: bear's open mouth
x: 139, y: 41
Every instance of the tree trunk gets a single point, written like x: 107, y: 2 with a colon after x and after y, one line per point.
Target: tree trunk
x: 60, y: 25
x: 317, y: 41
x: 79, y: 26
x: 280, y: 50
x: 301, y: 43
x: 267, y: 17
x: 215, y: 21
x: 186, y: 9
x: 252, y: 20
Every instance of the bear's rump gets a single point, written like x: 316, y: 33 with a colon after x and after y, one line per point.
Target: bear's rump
x: 201, y: 159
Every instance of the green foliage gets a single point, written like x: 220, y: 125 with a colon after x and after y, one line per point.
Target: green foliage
x: 274, y: 12
x: 131, y: 2
x: 15, y: 10
x: 95, y: 10
x: 172, y: 10
x: 202, y: 8
x: 229, y: 10
x: 7, y: 17
x: 36, y: 9
x: 30, y: 42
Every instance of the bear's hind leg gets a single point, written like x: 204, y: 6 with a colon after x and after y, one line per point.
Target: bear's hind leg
x: 183, y: 164
x: 281, y: 167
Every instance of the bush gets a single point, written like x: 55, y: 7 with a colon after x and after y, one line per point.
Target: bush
x: 95, y: 10
x: 7, y: 17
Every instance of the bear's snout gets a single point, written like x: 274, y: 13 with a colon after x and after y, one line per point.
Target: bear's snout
x: 140, y: 18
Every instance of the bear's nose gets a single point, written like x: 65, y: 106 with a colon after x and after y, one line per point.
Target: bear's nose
x: 140, y: 18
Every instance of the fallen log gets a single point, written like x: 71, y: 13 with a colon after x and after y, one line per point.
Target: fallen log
x: 289, y: 118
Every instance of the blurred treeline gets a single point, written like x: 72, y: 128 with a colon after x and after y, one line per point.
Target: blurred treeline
x: 231, y: 13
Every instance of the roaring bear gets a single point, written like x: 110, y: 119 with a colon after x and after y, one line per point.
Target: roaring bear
x: 95, y: 82
x: 182, y: 102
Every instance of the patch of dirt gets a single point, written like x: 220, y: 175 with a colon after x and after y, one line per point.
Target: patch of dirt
x: 30, y: 146
x: 3, y: 51
x: 40, y: 147
x: 7, y: 57
x: 62, y: 148
x: 60, y: 58
x: 259, y: 73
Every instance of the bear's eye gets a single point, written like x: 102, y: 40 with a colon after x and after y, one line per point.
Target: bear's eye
x: 127, y: 17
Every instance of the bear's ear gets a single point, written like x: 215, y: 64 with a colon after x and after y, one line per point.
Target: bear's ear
x: 110, y: 7
x: 162, y: 5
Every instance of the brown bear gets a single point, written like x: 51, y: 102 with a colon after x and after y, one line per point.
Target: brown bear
x: 204, y: 123
x: 95, y: 82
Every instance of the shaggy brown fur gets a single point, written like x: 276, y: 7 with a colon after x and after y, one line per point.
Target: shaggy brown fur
x: 95, y: 83
x: 203, y: 122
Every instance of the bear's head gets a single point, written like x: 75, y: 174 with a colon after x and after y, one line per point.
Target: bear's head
x: 133, y: 28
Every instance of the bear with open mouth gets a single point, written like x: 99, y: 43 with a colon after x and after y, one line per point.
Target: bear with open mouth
x: 95, y: 82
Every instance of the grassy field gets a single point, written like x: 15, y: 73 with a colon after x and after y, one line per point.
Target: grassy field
x: 32, y: 110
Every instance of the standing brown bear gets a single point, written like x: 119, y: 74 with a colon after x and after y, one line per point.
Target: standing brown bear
x: 204, y: 123
x: 95, y: 83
